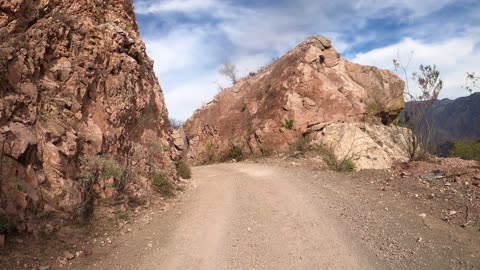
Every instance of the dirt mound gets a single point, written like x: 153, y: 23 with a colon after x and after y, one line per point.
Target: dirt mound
x: 300, y: 93
x: 82, y: 114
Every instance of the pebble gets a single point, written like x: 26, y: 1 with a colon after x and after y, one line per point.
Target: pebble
x: 68, y: 255
x: 452, y: 213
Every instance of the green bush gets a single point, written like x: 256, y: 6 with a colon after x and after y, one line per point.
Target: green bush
x: 288, y: 124
x: 301, y: 144
x: 103, y: 167
x: 465, y: 150
x: 183, y: 170
x: 344, y: 164
x: 97, y: 167
x: 7, y: 224
x: 233, y: 152
x: 209, y: 153
x: 122, y: 215
x: 161, y: 183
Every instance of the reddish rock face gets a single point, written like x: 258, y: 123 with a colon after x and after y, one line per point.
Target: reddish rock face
x: 299, y: 93
x: 75, y: 82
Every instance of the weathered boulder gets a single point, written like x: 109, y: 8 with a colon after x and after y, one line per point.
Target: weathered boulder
x: 368, y: 146
x: 301, y: 92
x: 75, y: 85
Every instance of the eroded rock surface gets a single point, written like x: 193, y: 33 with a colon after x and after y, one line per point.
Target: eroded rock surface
x: 75, y: 82
x: 302, y: 92
x: 368, y: 146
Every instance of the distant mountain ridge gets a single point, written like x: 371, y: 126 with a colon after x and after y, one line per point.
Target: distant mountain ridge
x: 454, y: 120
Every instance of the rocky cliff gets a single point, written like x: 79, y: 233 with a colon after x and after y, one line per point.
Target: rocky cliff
x: 82, y: 115
x: 301, y: 93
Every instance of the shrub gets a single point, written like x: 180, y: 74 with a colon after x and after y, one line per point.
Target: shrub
x: 97, y: 168
x: 469, y: 151
x: 161, y: 183
x: 122, y: 215
x: 233, y: 152
x: 209, y: 153
x: 183, y: 170
x: 7, y: 224
x: 344, y: 164
x: 176, y: 124
x: 288, y: 124
x: 103, y: 167
x: 301, y: 144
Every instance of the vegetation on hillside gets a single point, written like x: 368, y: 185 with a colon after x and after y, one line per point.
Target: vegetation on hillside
x: 162, y: 184
x: 97, y: 167
x: 183, y: 170
x: 472, y: 82
x: 465, y: 150
x: 421, y: 95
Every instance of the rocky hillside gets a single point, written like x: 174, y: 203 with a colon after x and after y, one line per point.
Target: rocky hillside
x: 82, y: 115
x: 454, y: 120
x: 299, y: 94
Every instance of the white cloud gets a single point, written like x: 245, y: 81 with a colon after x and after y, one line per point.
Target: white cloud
x: 251, y: 63
x: 416, y: 8
x: 453, y: 59
x: 184, y: 97
x: 178, y: 50
x: 152, y: 6
x: 188, y: 52
x: 190, y: 94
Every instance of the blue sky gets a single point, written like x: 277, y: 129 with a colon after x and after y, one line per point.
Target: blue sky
x: 190, y: 39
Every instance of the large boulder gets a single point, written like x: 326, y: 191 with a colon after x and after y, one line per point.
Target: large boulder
x: 368, y: 146
x: 75, y: 84
x: 302, y: 92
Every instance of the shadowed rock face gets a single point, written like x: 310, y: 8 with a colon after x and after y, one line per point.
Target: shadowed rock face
x: 75, y: 82
x: 302, y: 92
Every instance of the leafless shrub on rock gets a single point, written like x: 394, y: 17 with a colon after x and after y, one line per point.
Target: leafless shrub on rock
x: 420, y: 97
x: 230, y: 71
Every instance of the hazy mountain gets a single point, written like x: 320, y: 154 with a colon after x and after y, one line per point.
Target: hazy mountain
x: 453, y: 120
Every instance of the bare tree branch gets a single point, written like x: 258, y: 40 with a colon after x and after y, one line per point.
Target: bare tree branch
x: 420, y: 98
x: 230, y: 71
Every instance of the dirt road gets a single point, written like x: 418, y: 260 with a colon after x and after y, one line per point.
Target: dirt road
x: 254, y: 216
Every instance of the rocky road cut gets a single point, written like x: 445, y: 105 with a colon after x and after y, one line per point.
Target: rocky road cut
x: 257, y: 216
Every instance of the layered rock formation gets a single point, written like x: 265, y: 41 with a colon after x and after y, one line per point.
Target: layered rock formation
x: 300, y: 93
x: 78, y: 98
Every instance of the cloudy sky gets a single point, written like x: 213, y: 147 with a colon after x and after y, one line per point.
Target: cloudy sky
x: 190, y: 39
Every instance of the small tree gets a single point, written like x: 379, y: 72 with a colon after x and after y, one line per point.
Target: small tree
x: 421, y: 98
x: 176, y: 124
x: 230, y: 71
x: 471, y: 82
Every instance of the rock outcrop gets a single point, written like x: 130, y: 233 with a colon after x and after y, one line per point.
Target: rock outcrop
x: 300, y: 93
x: 368, y: 146
x: 79, y: 103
